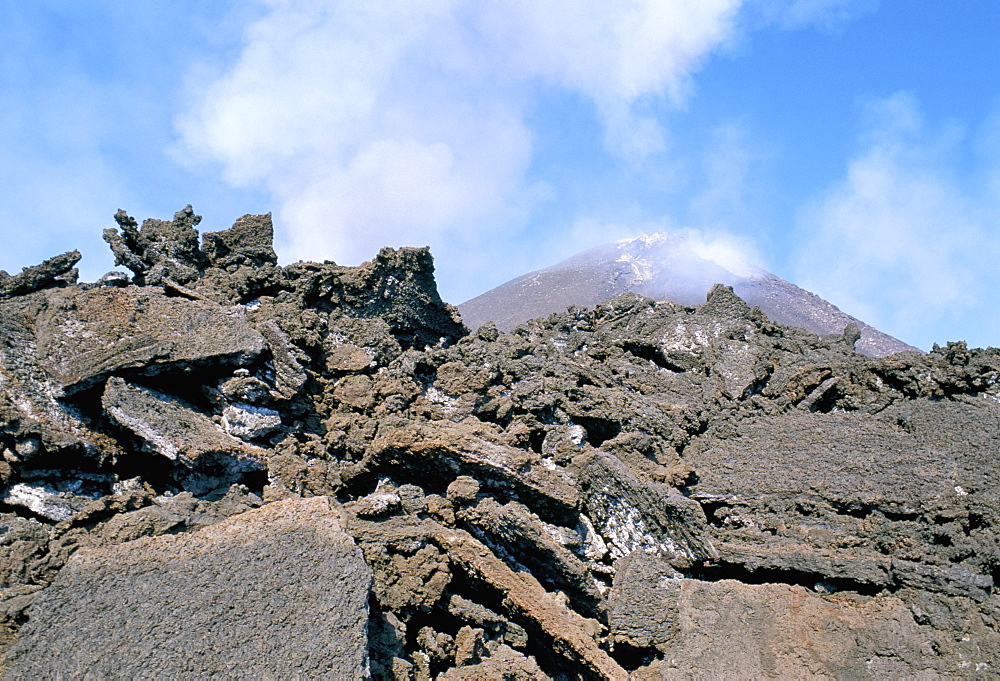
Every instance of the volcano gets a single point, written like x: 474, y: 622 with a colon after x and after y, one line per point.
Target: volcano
x: 664, y: 266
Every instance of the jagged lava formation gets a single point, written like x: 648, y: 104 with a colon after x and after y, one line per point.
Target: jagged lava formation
x: 221, y: 466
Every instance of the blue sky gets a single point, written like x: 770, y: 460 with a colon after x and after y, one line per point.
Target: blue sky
x: 849, y: 146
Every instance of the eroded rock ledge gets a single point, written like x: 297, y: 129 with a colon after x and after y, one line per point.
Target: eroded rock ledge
x: 217, y: 464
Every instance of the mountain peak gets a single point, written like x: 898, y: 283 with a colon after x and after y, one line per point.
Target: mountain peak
x: 681, y: 267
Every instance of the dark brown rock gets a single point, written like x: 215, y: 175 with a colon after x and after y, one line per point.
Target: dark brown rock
x: 53, y: 272
x: 725, y: 629
x: 447, y: 447
x: 642, y: 487
x: 85, y: 335
x: 248, y: 242
x: 632, y: 515
x: 173, y: 430
x: 158, y: 250
x: 531, y: 542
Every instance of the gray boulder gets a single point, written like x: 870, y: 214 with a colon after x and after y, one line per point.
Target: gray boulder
x: 278, y: 592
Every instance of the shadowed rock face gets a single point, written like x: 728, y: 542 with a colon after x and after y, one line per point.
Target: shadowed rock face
x: 664, y: 267
x: 223, y: 466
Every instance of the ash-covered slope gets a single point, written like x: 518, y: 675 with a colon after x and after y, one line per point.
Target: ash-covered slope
x: 664, y: 267
x: 219, y: 466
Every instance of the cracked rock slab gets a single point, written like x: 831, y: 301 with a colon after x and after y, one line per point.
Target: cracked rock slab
x: 171, y: 429
x: 524, y: 597
x: 730, y: 629
x: 513, y: 527
x: 222, y: 601
x: 632, y: 514
x: 44, y: 500
x: 454, y: 450
x: 84, y: 335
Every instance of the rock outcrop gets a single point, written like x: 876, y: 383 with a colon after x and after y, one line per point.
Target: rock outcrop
x: 218, y: 465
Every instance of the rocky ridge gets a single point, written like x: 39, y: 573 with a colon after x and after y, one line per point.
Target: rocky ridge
x: 218, y: 465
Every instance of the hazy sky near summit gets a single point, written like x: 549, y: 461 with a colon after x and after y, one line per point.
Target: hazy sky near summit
x: 849, y: 146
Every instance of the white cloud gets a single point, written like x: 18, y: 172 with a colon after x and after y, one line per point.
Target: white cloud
x: 611, y: 50
x: 906, y: 239
x: 404, y: 122
x: 830, y: 15
x: 730, y: 182
x: 614, y: 53
x: 737, y: 254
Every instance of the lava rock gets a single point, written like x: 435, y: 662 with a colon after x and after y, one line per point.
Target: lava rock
x: 643, y: 488
x: 83, y: 336
x: 280, y: 591
x: 173, y: 430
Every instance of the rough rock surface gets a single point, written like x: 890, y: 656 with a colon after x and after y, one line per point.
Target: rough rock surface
x: 177, y: 432
x: 642, y: 488
x: 728, y: 628
x: 83, y: 336
x: 280, y: 591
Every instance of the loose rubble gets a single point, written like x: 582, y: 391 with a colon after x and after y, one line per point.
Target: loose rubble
x: 218, y: 464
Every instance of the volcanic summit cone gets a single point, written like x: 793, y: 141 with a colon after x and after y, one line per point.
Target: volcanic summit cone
x: 664, y: 267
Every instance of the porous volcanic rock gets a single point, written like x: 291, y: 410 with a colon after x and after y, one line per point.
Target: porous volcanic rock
x: 84, y: 336
x: 729, y: 629
x: 643, y: 488
x: 280, y: 591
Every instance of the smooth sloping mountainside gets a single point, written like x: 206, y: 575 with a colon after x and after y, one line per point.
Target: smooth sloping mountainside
x: 220, y: 466
x: 664, y: 267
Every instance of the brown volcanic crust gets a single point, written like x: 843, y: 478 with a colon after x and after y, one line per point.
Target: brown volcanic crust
x: 350, y: 483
